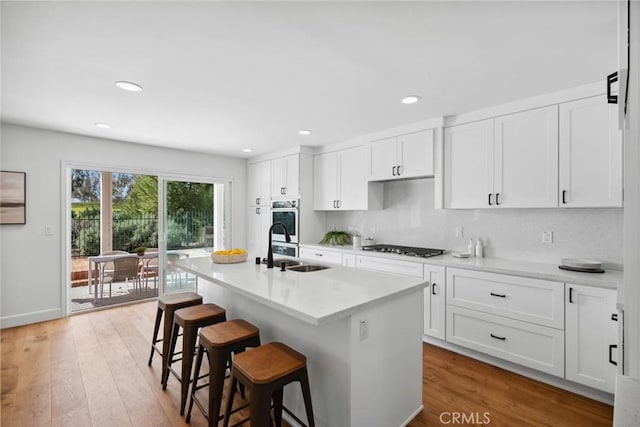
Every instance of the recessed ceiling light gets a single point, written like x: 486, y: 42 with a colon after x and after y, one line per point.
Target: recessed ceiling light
x: 411, y: 99
x: 103, y: 125
x: 304, y: 132
x: 247, y: 150
x: 129, y: 86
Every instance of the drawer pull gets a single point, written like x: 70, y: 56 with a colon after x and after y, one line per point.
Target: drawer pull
x: 614, y: 317
x: 504, y: 338
x: 571, y: 295
x: 490, y: 199
x: 498, y: 295
x: 319, y: 254
x: 433, y: 288
x: 611, y: 347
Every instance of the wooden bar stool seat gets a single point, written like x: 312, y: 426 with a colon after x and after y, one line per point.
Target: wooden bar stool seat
x: 167, y: 305
x: 220, y: 341
x: 264, y: 371
x: 190, y: 319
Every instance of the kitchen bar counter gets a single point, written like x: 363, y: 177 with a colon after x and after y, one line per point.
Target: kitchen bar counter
x: 314, y: 297
x: 611, y: 279
x: 360, y: 330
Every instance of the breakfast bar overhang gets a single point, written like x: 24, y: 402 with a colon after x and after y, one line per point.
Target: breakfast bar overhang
x: 360, y: 330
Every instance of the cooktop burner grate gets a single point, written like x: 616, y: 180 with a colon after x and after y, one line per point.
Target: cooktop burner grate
x: 404, y: 250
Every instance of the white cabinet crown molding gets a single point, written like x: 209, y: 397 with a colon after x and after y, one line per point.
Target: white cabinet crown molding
x: 571, y: 94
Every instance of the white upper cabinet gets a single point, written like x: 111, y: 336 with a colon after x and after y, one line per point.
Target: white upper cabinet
x: 507, y: 162
x: 285, y: 180
x: 590, y: 154
x: 468, y: 169
x: 526, y: 159
x: 259, y: 184
x: 340, y: 183
x: 404, y: 156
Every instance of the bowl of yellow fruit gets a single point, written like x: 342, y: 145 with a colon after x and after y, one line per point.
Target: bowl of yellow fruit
x: 229, y: 256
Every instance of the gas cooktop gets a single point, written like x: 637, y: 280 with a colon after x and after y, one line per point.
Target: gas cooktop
x: 404, y: 250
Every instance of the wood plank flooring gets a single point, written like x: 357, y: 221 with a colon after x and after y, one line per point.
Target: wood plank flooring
x: 91, y: 369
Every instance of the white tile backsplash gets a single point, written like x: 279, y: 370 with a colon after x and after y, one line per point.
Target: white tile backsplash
x: 409, y: 218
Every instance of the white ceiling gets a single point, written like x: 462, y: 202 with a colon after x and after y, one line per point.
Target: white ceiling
x: 222, y: 76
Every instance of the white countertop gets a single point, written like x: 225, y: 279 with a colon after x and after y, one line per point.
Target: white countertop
x: 611, y: 279
x: 316, y: 297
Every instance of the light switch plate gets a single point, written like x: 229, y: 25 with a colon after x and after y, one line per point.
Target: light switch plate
x: 48, y: 230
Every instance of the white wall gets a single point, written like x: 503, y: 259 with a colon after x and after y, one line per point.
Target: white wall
x: 409, y: 218
x: 31, y: 263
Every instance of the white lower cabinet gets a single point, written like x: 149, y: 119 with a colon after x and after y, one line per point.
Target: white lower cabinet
x: 527, y: 344
x: 320, y: 255
x: 591, y: 336
x: 405, y: 268
x: 349, y: 260
x: 521, y: 298
x: 434, y: 301
x: 514, y: 318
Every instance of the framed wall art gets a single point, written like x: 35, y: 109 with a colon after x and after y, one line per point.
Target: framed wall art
x: 13, y: 197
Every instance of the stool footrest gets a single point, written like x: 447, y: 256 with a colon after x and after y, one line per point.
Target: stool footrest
x: 292, y: 415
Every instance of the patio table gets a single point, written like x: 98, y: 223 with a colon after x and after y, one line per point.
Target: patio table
x: 98, y: 261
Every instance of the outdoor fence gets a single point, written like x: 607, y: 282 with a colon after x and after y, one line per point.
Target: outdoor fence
x: 184, y: 230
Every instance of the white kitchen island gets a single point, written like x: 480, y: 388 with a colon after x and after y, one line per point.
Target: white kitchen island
x: 360, y: 330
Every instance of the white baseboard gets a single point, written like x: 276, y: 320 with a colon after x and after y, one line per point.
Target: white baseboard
x: 559, y: 382
x: 27, y: 318
x: 415, y: 414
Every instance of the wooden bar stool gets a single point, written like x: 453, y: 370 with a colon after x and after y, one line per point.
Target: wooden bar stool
x: 168, y: 305
x: 190, y: 319
x: 264, y: 371
x: 220, y: 341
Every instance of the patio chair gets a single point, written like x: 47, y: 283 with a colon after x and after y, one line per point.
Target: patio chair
x: 151, y: 266
x: 125, y: 268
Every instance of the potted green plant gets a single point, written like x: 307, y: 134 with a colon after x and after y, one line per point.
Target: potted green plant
x: 140, y: 250
x: 336, y: 238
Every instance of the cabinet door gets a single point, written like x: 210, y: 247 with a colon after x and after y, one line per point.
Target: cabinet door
x: 526, y: 159
x: 468, y: 156
x: 325, y: 181
x: 259, y: 184
x: 434, y: 301
x: 352, y: 186
x: 590, y: 335
x: 258, y: 223
x: 416, y: 154
x: 322, y: 256
x: 405, y: 268
x: 284, y: 176
x: 349, y: 260
x: 590, y: 154
x: 384, y: 159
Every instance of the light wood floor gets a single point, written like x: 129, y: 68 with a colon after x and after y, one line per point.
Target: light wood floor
x: 91, y: 369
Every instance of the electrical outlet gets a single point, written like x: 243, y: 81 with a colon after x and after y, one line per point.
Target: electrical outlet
x: 547, y: 237
x: 373, y: 229
x: 364, y: 329
x: 459, y: 231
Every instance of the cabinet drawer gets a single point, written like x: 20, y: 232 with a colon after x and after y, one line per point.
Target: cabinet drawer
x: 520, y: 298
x: 536, y: 347
x: 405, y: 268
x: 321, y: 255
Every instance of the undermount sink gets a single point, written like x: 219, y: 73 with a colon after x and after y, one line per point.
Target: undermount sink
x: 287, y: 262
x: 306, y: 268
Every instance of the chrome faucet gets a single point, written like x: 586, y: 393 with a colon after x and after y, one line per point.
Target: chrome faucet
x: 270, y: 251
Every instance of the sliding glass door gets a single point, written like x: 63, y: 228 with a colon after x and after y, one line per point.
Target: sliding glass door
x: 192, y: 225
